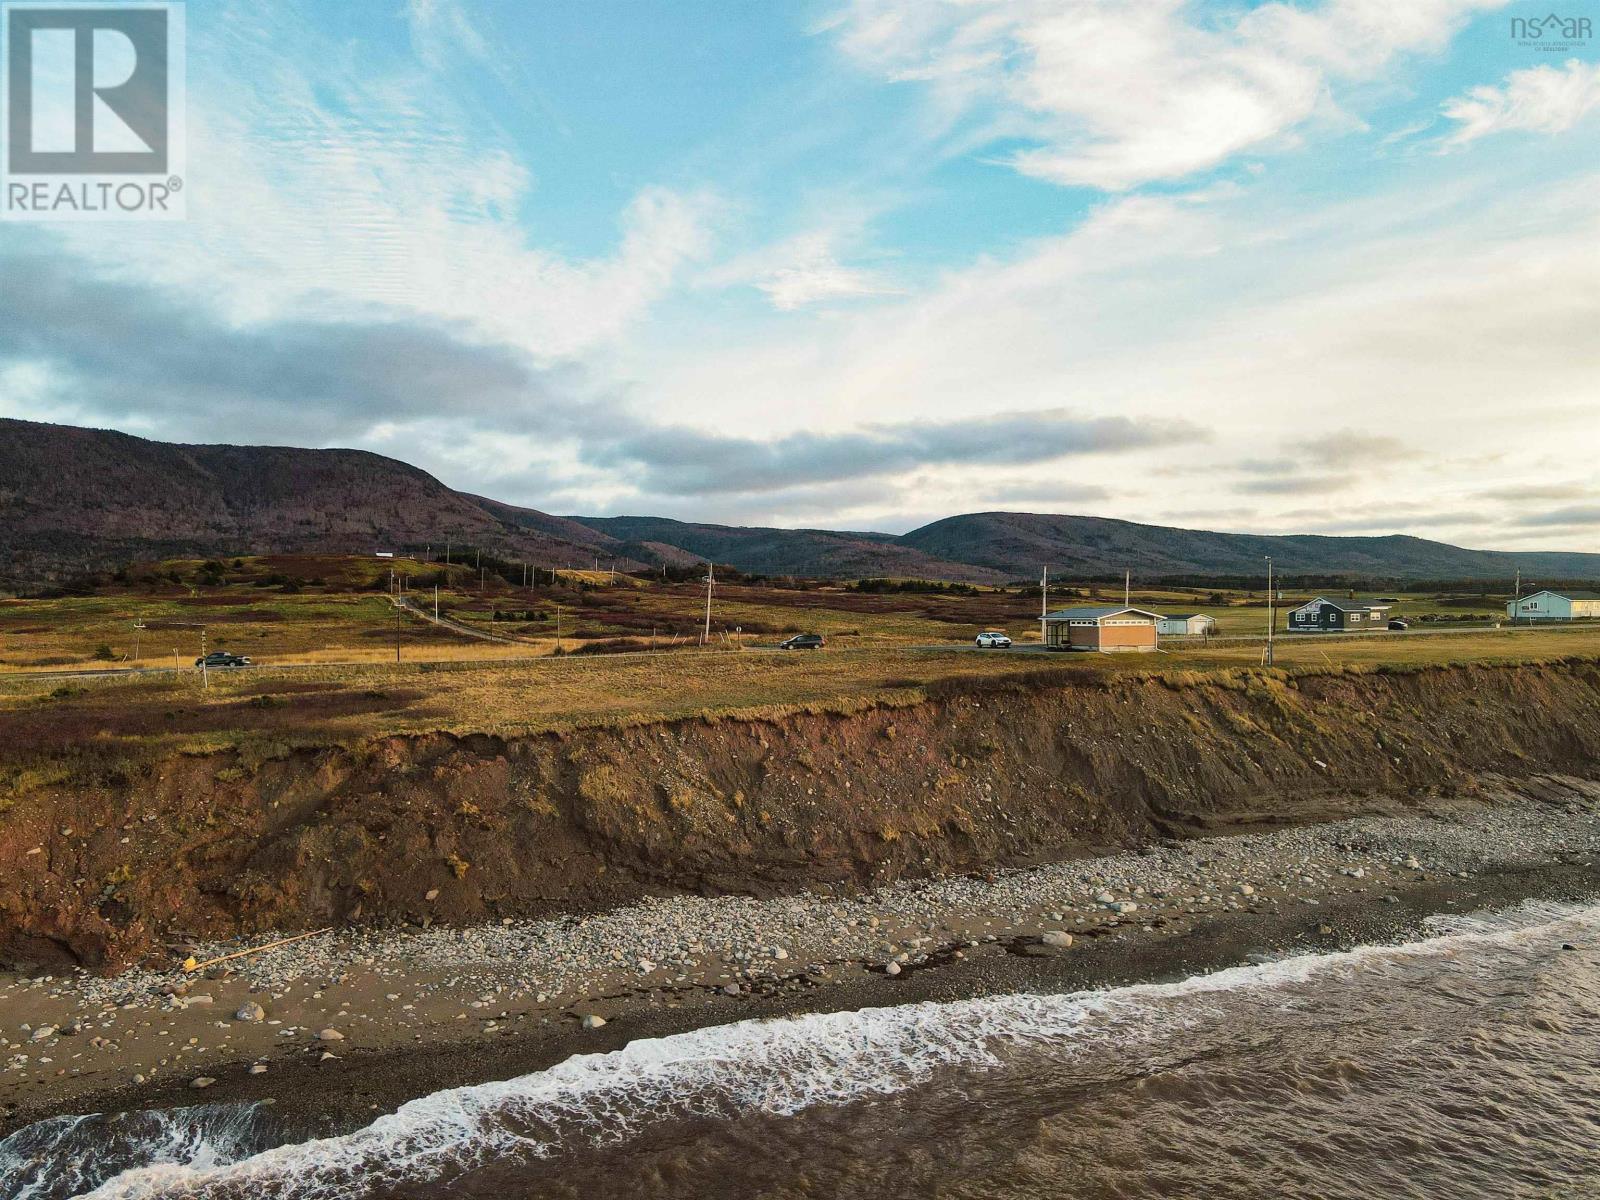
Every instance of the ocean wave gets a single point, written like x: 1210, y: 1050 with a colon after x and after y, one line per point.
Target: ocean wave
x: 776, y: 1067
x: 67, y: 1156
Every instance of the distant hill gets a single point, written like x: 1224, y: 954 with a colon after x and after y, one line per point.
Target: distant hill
x: 1017, y: 544
x: 75, y: 499
x: 793, y: 551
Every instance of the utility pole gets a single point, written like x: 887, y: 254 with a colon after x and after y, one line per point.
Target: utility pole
x: 138, y: 629
x: 205, y: 676
x: 436, y: 602
x: 711, y: 579
x: 1272, y: 611
x: 397, y: 635
x: 447, y: 552
x: 1044, y: 603
x: 1516, y: 603
x: 558, y: 629
x: 1127, y: 588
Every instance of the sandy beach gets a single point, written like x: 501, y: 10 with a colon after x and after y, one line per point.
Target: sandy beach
x: 337, y: 1028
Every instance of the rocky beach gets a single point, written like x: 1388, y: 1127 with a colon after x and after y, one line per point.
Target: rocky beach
x: 336, y: 1028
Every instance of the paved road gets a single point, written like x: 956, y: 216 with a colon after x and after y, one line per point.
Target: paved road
x: 1288, y: 639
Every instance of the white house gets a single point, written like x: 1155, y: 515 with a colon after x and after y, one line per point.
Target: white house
x: 1185, y: 625
x: 1555, y: 606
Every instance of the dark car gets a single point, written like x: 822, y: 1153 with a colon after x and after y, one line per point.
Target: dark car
x: 221, y: 658
x: 803, y: 641
x: 1399, y: 625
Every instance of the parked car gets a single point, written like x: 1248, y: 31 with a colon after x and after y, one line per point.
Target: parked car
x: 1398, y: 624
x: 803, y: 641
x: 993, y: 641
x: 221, y: 658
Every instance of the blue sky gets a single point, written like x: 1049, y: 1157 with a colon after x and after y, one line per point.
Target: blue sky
x: 1295, y: 267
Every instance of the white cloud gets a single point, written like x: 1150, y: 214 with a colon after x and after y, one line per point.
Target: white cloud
x: 1413, y: 327
x: 440, y: 30
x: 1115, y: 94
x: 328, y: 187
x: 806, y: 271
x: 1539, y: 99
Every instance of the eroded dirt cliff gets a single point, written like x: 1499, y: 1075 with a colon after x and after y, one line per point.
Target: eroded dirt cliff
x: 442, y: 828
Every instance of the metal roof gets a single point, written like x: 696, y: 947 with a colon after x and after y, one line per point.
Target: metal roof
x: 1565, y: 595
x: 1349, y: 605
x: 1096, y: 614
x: 1181, y: 616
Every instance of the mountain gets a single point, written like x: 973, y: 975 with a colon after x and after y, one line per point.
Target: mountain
x: 85, y: 499
x: 792, y: 551
x: 74, y: 499
x: 1018, y: 544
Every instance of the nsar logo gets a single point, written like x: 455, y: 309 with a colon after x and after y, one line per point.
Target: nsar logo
x: 1552, y: 32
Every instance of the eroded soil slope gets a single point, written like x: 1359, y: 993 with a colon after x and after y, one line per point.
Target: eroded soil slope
x: 441, y: 828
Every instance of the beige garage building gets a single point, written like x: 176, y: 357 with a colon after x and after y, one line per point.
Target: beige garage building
x: 1107, y: 630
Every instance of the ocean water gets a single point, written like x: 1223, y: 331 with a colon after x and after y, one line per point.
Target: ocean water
x: 1463, y: 1064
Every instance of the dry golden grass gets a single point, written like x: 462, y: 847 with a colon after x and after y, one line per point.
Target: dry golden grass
x: 100, y: 631
x: 1527, y: 644
x: 470, y: 689
x: 309, y: 609
x: 329, y: 675
x: 466, y: 650
x: 96, y: 729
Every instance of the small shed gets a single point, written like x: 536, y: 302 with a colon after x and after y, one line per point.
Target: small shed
x: 1566, y: 605
x: 1185, y: 625
x: 1108, y: 630
x: 1323, y: 615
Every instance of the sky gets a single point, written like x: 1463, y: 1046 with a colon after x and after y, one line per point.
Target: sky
x: 1326, y: 266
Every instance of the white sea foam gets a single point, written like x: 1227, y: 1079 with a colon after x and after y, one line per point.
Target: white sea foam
x: 776, y: 1067
x: 64, y: 1156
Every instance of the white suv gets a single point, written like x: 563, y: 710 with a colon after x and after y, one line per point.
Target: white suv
x: 993, y: 641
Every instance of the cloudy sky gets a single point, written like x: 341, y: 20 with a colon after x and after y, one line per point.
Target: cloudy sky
x: 1313, y: 266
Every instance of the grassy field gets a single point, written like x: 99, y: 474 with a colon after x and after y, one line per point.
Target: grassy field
x: 273, y: 609
x: 91, y: 729
x: 303, y: 609
x: 153, y: 631
x: 1379, y: 650
x: 94, y: 729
